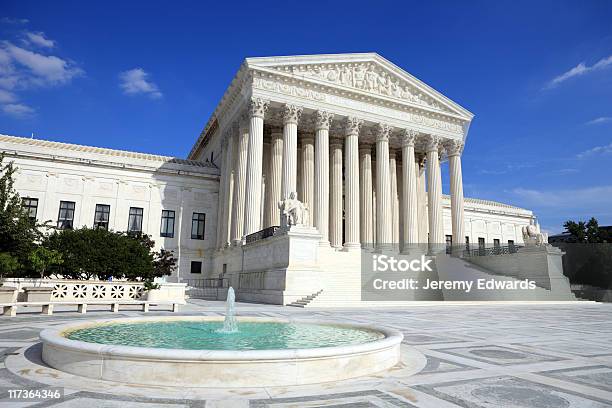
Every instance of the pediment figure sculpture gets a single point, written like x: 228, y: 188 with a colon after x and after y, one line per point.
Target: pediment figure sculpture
x: 365, y: 76
x: 293, y: 211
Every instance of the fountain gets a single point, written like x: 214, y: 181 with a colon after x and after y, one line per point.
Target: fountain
x: 229, y: 323
x: 196, y: 351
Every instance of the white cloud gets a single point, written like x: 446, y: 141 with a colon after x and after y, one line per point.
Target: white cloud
x: 40, y: 70
x: 9, y: 20
x: 17, y: 110
x: 581, y: 198
x: 597, y: 121
x: 606, y: 149
x: 7, y: 96
x: 21, y: 68
x: 39, y: 39
x: 134, y: 82
x: 579, y: 70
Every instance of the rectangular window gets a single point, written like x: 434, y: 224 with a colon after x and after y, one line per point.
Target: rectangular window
x: 167, y: 224
x: 30, y: 205
x: 511, y: 247
x: 135, y: 219
x: 65, y: 218
x: 496, y: 243
x: 510, y: 243
x: 102, y: 216
x: 467, y: 243
x: 449, y: 243
x: 481, y: 245
x: 196, y: 267
x: 496, y: 246
x: 197, y: 225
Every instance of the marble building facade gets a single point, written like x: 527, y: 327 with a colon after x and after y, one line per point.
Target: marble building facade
x: 360, y: 140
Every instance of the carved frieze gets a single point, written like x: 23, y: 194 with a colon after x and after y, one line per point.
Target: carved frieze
x: 365, y: 76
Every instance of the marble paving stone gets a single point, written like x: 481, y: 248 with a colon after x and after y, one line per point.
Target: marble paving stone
x: 504, y: 392
x: 481, y: 356
x: 593, y: 376
x: 498, y: 355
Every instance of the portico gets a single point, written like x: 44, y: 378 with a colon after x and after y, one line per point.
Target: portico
x: 361, y: 124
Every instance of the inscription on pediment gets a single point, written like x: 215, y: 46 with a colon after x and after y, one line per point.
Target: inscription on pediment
x: 365, y: 76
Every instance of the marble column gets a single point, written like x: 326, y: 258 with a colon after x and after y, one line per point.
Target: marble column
x: 229, y: 190
x: 335, y: 212
x: 257, y: 110
x: 395, y: 221
x: 434, y: 193
x: 384, y: 234
x: 365, y: 194
x: 322, y: 120
x: 453, y: 151
x: 273, y: 182
x: 422, y: 199
x: 241, y: 140
x: 409, y: 191
x: 291, y: 115
x: 351, y: 197
x: 308, y: 157
x: 221, y: 195
x: 264, y: 181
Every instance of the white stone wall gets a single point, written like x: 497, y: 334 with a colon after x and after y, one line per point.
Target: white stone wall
x: 54, y: 172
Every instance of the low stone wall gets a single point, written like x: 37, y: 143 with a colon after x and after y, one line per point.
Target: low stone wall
x: 64, y: 290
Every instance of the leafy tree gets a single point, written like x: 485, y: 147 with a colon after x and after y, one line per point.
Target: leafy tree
x: 98, y: 253
x: 8, y: 264
x: 19, y: 235
x: 586, y: 232
x: 42, y: 258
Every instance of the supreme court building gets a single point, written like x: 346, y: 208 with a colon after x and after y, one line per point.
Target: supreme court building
x: 360, y: 141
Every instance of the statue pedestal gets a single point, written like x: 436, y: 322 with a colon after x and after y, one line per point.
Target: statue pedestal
x: 283, y: 268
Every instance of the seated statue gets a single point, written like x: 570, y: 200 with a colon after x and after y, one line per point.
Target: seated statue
x: 532, y: 236
x: 293, y: 211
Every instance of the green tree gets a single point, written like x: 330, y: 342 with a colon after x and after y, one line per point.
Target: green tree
x: 42, y: 258
x: 8, y: 264
x: 586, y: 232
x: 19, y: 235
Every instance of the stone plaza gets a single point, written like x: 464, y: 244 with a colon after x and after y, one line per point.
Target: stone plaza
x: 477, y: 356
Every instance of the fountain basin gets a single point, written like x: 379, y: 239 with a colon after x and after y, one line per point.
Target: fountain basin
x: 163, y: 366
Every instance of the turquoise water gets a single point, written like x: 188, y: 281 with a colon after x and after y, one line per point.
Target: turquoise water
x: 198, y: 335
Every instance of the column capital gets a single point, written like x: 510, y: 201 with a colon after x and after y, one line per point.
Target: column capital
x: 382, y: 131
x: 258, y: 107
x: 335, y: 142
x: 291, y: 113
x: 453, y: 147
x: 408, y: 137
x: 322, y: 119
x: 365, y: 148
x: 352, y: 125
x: 276, y: 132
x: 307, y: 138
x: 432, y: 143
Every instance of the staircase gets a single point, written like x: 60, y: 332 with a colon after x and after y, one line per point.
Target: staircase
x: 303, y: 302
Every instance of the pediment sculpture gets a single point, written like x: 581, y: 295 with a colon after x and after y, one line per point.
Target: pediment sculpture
x: 293, y: 211
x: 367, y: 77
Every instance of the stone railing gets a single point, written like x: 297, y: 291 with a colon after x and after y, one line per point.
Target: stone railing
x: 91, y: 290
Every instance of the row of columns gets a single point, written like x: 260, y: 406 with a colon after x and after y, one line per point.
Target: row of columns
x: 377, y: 207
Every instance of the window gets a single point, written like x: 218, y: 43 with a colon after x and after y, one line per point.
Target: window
x: 511, y: 247
x: 196, y: 267
x: 30, y: 205
x: 135, y: 220
x: 510, y: 243
x: 449, y: 244
x: 102, y: 216
x: 496, y: 246
x: 481, y: 245
x: 467, y: 243
x: 167, y: 224
x: 65, y: 218
x: 496, y: 243
x: 197, y: 225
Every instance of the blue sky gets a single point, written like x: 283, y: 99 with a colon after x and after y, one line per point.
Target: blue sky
x: 145, y: 76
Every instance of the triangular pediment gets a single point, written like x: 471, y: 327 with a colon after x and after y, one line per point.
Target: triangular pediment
x: 364, y: 73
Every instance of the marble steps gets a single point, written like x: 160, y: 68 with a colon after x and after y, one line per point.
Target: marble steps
x: 303, y: 302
